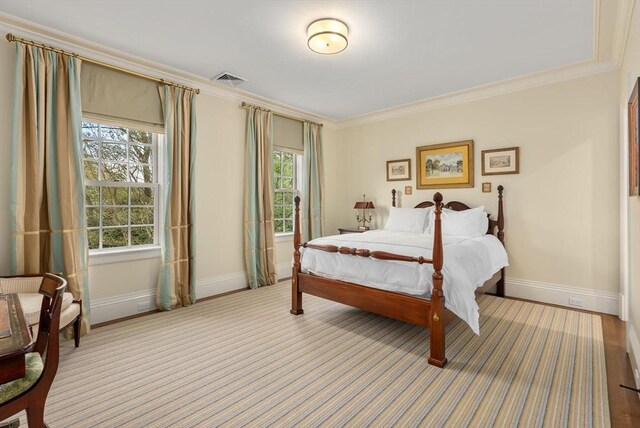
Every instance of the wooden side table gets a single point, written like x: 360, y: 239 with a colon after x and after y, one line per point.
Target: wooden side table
x: 345, y: 230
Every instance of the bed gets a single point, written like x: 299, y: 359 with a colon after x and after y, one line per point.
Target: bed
x: 321, y: 268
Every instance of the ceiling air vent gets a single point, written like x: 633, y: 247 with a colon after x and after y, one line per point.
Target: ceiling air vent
x: 229, y: 79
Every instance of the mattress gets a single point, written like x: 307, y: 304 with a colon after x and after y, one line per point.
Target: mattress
x: 468, y: 263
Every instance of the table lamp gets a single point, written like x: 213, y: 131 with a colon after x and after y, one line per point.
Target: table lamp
x: 365, y: 206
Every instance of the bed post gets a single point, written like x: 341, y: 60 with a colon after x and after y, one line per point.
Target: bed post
x: 500, y: 284
x: 296, y: 295
x: 437, y: 357
x: 393, y: 197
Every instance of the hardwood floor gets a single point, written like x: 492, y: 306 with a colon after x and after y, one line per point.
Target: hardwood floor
x: 624, y: 405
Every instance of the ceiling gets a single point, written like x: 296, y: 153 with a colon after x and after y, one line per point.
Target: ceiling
x: 399, y: 51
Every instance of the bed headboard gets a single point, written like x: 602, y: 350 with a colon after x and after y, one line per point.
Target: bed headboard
x: 459, y: 206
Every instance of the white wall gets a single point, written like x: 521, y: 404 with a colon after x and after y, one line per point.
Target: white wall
x: 117, y: 289
x: 562, y: 214
x: 629, y: 73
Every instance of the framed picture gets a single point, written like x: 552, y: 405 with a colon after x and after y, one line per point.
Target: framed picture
x: 486, y: 187
x: 634, y: 142
x: 399, y: 170
x: 501, y: 161
x: 445, y: 165
x: 407, y: 190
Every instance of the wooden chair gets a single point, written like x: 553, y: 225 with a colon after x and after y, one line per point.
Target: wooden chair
x: 27, y: 286
x: 30, y: 392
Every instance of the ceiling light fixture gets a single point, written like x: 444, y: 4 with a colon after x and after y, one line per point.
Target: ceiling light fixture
x: 327, y: 36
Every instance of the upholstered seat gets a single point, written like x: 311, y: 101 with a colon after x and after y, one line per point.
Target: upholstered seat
x: 27, y: 289
x: 33, y: 369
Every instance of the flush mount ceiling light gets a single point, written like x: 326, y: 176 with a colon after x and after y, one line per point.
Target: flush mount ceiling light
x: 327, y: 36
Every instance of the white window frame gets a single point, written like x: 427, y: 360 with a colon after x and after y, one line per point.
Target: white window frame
x: 297, y: 180
x: 130, y: 252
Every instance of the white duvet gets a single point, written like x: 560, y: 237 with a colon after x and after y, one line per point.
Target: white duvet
x: 468, y: 263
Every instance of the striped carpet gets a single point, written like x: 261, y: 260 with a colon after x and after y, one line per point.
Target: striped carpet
x: 243, y: 360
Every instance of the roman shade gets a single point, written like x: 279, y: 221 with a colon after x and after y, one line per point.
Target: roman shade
x: 120, y: 97
x: 287, y: 134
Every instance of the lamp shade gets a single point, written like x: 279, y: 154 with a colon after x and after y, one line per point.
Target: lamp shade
x: 364, y: 205
x: 327, y: 36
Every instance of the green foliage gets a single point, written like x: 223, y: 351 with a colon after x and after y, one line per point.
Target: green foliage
x: 141, y: 196
x: 142, y: 235
x: 94, y: 238
x: 141, y: 215
x: 116, y: 237
x: 115, y: 195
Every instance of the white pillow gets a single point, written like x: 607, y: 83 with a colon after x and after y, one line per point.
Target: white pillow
x: 470, y: 223
x: 407, y: 220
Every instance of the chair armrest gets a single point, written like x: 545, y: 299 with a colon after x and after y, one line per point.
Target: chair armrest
x: 20, y: 284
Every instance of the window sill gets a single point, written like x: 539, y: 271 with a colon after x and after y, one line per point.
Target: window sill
x: 284, y: 237
x: 103, y: 257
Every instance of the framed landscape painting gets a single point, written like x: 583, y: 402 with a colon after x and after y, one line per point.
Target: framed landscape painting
x: 399, y: 170
x: 634, y: 142
x: 445, y: 165
x: 501, y: 161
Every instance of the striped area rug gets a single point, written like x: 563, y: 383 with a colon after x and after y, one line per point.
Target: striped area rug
x: 243, y: 360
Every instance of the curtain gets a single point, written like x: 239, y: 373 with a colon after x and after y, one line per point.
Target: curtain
x: 259, y: 235
x: 313, y: 183
x: 176, y: 282
x: 47, y: 191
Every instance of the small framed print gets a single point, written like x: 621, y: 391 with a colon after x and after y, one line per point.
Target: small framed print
x: 501, y: 161
x: 399, y: 170
x: 486, y: 187
x: 408, y: 190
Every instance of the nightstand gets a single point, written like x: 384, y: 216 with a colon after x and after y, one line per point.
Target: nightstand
x: 345, y: 230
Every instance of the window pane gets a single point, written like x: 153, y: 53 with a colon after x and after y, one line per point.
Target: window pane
x: 94, y: 238
x: 114, y: 152
x: 278, y: 226
x: 287, y: 157
x: 288, y: 198
x: 287, y: 183
x: 115, y: 196
x: 113, y: 133
x: 141, y: 216
x: 288, y: 225
x: 141, y: 196
x: 276, y: 157
x: 115, y: 237
x: 90, y: 149
x: 141, y: 235
x: 90, y: 170
x: 277, y: 211
x: 140, y: 174
x: 140, y: 154
x: 288, y: 211
x: 115, y: 216
x: 89, y: 130
x: 136, y: 136
x: 92, y: 195
x: 277, y: 183
x: 279, y: 198
x: 93, y: 217
x: 287, y: 169
x: 114, y: 171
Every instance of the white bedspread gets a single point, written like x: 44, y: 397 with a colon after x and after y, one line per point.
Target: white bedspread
x: 468, y: 263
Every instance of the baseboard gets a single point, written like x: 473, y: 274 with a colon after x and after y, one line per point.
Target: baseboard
x: 583, y: 298
x: 633, y: 348
x: 125, y: 305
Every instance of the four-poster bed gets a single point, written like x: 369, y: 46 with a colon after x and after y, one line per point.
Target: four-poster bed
x: 427, y: 311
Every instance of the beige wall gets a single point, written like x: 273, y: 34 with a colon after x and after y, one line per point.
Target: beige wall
x: 562, y: 215
x: 628, y: 76
x: 219, y: 196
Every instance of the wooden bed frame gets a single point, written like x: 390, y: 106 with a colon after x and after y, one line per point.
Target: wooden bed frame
x: 404, y: 307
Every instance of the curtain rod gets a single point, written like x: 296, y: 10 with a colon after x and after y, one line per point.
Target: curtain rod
x: 247, y: 105
x: 12, y: 38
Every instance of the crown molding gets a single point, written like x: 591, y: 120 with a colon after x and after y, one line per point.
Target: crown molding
x: 503, y: 87
x: 68, y: 42
x: 623, y: 27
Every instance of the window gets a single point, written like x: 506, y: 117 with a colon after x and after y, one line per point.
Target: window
x: 286, y: 168
x: 121, y: 187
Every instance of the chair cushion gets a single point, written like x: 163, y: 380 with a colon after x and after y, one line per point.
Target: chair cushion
x: 32, y: 302
x: 33, y: 370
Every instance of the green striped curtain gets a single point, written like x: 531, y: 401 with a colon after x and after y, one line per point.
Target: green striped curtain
x: 259, y: 235
x: 176, y: 282
x: 313, y: 183
x: 48, y: 221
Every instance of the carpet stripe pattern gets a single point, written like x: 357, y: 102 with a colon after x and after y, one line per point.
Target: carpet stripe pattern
x: 243, y: 360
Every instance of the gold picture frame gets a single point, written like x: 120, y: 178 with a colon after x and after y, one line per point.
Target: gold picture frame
x: 634, y: 141
x: 447, y: 165
x: 399, y: 170
x: 501, y: 161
